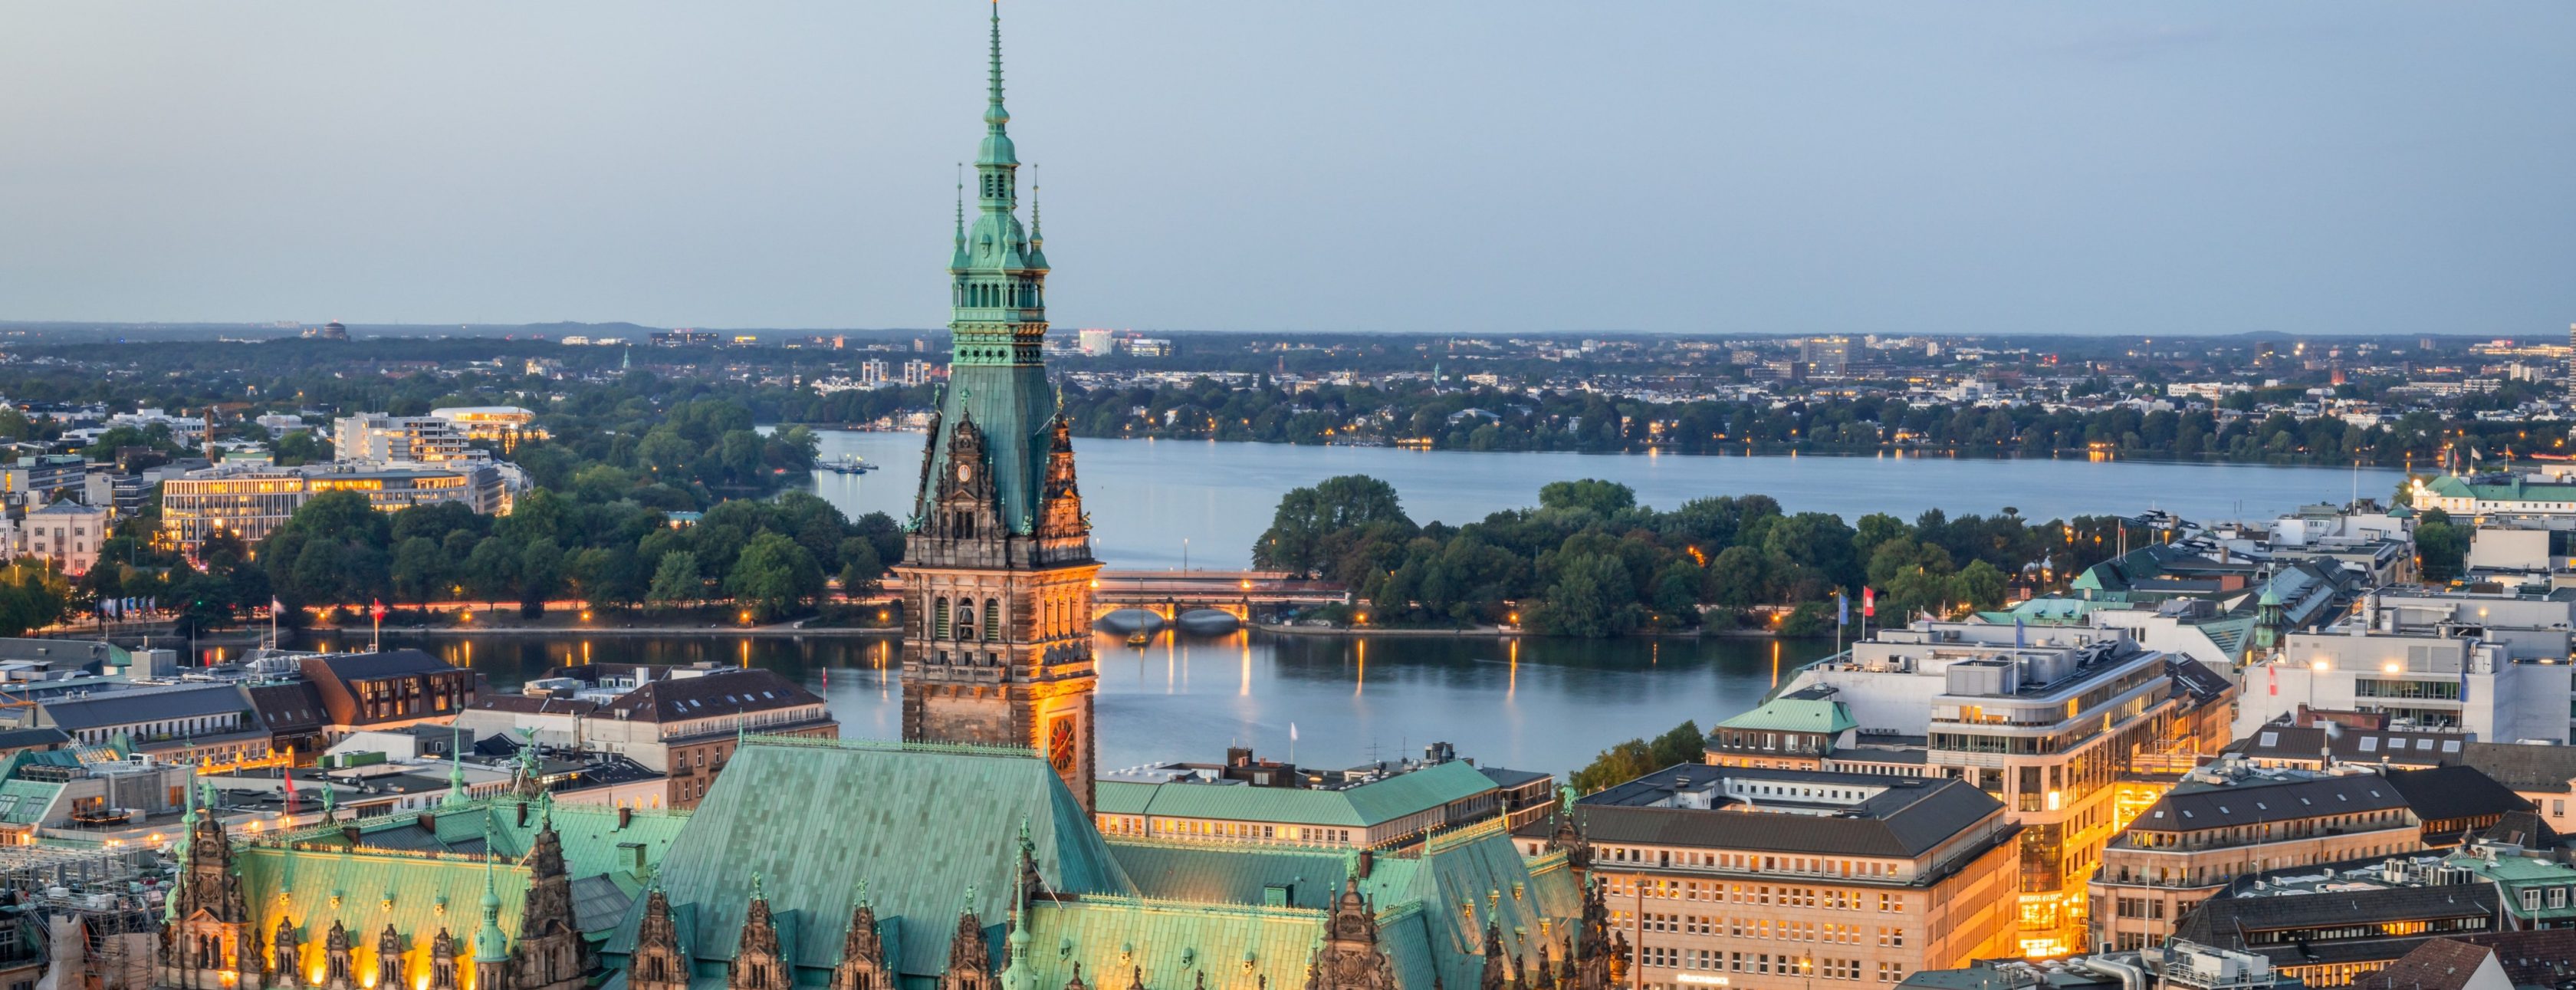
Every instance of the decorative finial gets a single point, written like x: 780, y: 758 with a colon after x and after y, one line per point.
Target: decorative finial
x: 1037, y: 227
x: 994, y: 115
x: 863, y: 891
x: 755, y: 888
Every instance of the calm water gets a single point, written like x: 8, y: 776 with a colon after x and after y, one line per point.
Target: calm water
x: 1538, y: 705
x: 1147, y: 496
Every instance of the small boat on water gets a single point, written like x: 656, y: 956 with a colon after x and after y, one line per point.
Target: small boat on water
x: 847, y: 464
x: 1140, y: 638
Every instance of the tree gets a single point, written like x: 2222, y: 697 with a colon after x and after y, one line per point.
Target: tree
x: 1627, y: 761
x: 2441, y: 546
x: 860, y: 570
x: 419, y: 571
x: 1601, y: 498
x: 1312, y: 523
x: 773, y: 575
x: 676, y: 580
x: 1593, y: 598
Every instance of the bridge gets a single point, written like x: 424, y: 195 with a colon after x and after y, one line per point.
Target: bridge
x: 1242, y: 594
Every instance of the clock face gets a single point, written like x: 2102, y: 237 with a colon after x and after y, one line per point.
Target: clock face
x: 1060, y: 745
x: 965, y: 472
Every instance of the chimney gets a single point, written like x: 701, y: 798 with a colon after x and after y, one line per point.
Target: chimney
x: 350, y: 832
x: 625, y: 816
x: 523, y: 814
x: 1368, y: 861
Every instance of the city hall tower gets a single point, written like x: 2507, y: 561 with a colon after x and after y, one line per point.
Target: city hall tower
x: 997, y: 567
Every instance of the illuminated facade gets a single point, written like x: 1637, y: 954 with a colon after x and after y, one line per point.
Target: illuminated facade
x: 1792, y: 879
x: 997, y: 567
x: 2066, y: 728
x: 2225, y: 824
x: 250, y: 501
x: 502, y: 425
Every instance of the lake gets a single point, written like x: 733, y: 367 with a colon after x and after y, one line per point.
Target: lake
x: 1537, y: 704
x: 1153, y: 502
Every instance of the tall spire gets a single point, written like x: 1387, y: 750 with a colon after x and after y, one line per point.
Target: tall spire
x: 489, y: 944
x: 994, y: 115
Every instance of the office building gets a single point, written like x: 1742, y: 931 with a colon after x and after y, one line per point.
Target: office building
x: 385, y: 690
x: 1794, y: 879
x: 249, y: 500
x: 376, y: 438
x: 2234, y: 820
x: 2075, y: 729
x: 34, y: 478
x: 2493, y: 667
x: 502, y: 426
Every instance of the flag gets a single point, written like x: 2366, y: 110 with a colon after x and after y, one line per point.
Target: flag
x: 1292, y: 732
x: 2272, y: 679
x: 2018, y: 640
x: 1868, y: 603
x: 377, y: 609
x: 275, y: 606
x: 1842, y: 609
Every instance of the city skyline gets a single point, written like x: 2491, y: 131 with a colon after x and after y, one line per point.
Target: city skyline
x: 2024, y: 169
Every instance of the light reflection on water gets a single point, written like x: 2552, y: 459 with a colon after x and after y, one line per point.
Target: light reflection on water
x: 1537, y: 704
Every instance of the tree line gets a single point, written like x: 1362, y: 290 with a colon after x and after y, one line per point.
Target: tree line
x: 1590, y: 561
x: 1591, y: 422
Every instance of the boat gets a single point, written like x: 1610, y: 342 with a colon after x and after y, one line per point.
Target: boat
x: 847, y: 464
x: 1139, y: 638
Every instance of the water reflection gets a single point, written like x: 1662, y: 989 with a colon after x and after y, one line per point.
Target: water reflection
x: 1539, y: 704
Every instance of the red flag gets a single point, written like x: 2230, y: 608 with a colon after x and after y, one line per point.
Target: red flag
x: 378, y: 610
x: 2272, y: 678
x: 1868, y: 603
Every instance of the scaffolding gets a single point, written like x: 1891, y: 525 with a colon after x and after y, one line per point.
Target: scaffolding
x: 99, y: 923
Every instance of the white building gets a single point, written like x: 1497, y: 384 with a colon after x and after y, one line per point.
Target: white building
x: 1097, y: 343
x: 68, y: 534
x: 2491, y: 666
x: 377, y: 438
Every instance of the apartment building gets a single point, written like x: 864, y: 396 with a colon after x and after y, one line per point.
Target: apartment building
x: 385, y: 690
x: 66, y: 534
x: 1796, y: 879
x: 2074, y: 729
x: 377, y: 438
x: 2235, y: 820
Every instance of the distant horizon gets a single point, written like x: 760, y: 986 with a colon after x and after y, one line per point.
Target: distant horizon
x: 434, y: 331
x: 2013, y: 168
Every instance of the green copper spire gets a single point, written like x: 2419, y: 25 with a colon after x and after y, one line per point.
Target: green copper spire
x: 489, y: 944
x: 455, y: 769
x: 997, y: 324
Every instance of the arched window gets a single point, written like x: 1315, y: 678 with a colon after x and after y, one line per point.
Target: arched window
x: 966, y: 618
x: 993, y: 620
x: 939, y: 620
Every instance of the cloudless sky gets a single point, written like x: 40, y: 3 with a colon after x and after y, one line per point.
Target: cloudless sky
x: 2049, y: 167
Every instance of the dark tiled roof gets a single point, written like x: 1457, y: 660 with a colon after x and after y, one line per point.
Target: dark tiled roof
x: 369, y: 666
x: 2441, y: 793
x: 2440, y: 964
x: 2250, y: 803
x: 2197, y: 678
x: 1910, y: 817
x: 113, y: 708
x: 1512, y: 778
x: 2522, y: 828
x: 2523, y: 767
x: 730, y: 692
x: 2388, y: 746
x: 2541, y: 958
x: 2223, y: 921
x: 25, y: 738
x: 290, y: 707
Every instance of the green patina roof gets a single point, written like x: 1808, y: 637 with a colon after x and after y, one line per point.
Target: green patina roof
x: 1796, y: 715
x: 2516, y: 488
x: 920, y: 824
x: 23, y: 802
x: 1479, y: 863
x: 1171, y: 943
x: 1362, y: 806
x: 593, y: 842
x: 1243, y: 873
x: 417, y: 893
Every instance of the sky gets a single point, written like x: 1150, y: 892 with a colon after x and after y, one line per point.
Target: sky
x: 1470, y: 168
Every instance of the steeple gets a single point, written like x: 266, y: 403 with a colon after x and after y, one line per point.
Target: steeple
x: 489, y: 944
